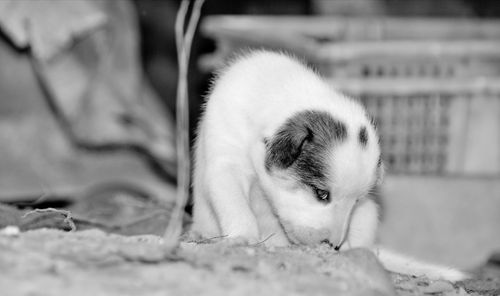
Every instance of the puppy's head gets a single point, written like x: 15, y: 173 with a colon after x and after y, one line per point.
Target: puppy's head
x: 321, y: 169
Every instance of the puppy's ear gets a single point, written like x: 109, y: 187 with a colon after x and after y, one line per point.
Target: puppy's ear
x: 286, y: 145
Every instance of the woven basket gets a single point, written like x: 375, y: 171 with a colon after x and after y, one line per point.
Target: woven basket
x: 432, y: 85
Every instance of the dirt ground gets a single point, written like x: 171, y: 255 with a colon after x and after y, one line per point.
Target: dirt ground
x: 91, y: 262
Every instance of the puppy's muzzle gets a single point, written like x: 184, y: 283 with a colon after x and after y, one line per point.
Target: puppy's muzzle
x: 342, y: 213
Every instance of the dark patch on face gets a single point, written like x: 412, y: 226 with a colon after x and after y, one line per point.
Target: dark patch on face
x: 363, y: 136
x: 301, y: 143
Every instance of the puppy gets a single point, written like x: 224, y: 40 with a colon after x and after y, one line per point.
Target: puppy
x: 280, y: 156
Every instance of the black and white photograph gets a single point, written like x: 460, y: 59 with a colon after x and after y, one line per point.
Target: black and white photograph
x: 250, y: 147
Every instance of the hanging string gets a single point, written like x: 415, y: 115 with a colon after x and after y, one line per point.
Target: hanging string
x: 183, y: 42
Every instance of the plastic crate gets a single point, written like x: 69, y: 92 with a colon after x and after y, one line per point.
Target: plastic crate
x: 432, y: 85
x: 434, y: 126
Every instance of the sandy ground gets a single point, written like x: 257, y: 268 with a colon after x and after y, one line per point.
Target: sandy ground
x: 53, y: 262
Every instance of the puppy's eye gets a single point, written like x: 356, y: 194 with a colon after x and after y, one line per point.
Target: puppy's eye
x: 322, y: 195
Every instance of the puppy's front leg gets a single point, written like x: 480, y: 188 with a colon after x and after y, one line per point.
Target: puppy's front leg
x: 228, y: 194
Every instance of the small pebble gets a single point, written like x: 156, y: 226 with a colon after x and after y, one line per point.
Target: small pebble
x: 437, y: 287
x: 10, y: 231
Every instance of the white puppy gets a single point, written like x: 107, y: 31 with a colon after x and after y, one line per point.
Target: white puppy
x: 281, y: 156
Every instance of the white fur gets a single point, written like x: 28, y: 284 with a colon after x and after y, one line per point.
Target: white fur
x: 235, y: 196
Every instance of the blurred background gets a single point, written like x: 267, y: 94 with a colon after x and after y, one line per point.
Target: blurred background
x: 87, y: 107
